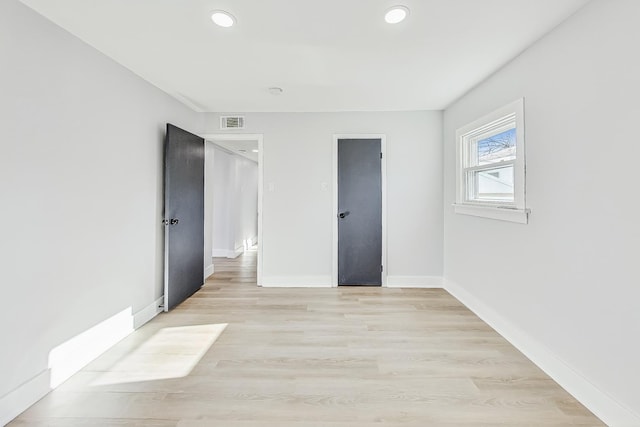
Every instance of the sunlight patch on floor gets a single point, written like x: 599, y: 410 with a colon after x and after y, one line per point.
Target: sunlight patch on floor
x: 169, y: 353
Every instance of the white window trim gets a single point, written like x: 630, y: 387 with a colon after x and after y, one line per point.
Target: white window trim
x: 515, y: 211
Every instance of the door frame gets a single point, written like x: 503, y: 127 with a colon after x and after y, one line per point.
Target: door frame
x: 213, y: 137
x: 383, y: 176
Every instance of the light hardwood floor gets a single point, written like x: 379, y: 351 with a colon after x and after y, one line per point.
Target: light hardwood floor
x: 238, y: 355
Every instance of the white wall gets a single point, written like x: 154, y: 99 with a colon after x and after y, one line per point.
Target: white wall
x: 81, y: 194
x: 209, y: 174
x: 235, y: 202
x: 297, y: 214
x: 246, y: 230
x: 223, y: 189
x: 569, y: 280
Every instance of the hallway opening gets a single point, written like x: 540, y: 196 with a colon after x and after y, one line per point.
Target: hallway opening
x: 233, y: 199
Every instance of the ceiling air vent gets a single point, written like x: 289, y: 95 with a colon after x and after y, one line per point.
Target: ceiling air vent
x: 232, y: 122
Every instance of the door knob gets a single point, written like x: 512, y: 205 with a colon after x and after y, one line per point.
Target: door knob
x: 343, y: 214
x: 174, y: 221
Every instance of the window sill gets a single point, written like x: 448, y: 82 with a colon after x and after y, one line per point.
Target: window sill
x: 520, y: 216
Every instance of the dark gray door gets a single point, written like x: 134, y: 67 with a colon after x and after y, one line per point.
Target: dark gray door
x: 359, y: 212
x: 184, y: 215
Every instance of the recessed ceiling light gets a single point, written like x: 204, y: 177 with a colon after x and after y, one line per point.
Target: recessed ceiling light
x: 254, y: 151
x: 223, y: 19
x: 275, y: 90
x: 396, y: 14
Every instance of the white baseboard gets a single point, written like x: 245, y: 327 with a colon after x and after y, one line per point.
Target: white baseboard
x: 226, y: 253
x: 601, y: 404
x: 221, y: 253
x: 414, y: 282
x: 15, y: 402
x: 74, y: 354
x: 325, y: 282
x: 147, y: 313
x: 297, y: 282
x: 208, y: 271
x: 71, y: 356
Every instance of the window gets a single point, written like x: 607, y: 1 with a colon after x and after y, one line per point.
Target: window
x: 491, y: 166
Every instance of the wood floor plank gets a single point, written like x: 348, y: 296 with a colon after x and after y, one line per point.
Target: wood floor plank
x: 236, y: 355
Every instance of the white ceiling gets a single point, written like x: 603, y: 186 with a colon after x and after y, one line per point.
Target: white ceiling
x: 242, y: 148
x: 329, y: 55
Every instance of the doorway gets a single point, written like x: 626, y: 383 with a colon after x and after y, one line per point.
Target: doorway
x: 234, y: 152
x: 359, y: 236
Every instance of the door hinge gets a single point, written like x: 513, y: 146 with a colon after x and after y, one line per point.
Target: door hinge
x: 380, y: 155
x: 381, y: 268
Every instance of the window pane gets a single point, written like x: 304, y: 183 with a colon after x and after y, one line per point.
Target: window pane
x: 492, y: 184
x: 497, y: 148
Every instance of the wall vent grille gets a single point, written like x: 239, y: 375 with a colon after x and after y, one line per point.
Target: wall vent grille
x: 231, y: 122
